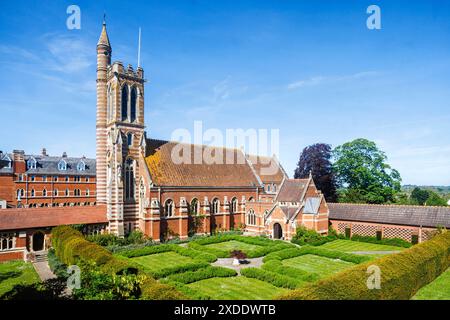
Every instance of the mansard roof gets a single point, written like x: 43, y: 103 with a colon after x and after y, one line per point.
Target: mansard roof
x: 391, y: 214
x: 167, y: 171
x: 268, y: 169
x: 49, y: 165
x: 292, y: 190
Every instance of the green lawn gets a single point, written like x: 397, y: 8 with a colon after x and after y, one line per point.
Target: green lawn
x: 16, y: 272
x: 320, y: 265
x: 439, y: 289
x: 236, y: 288
x: 158, y: 261
x: 349, y: 246
x: 233, y: 245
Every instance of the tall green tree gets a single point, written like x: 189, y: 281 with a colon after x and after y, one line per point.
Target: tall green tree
x: 435, y: 199
x: 419, y: 196
x: 316, y: 159
x: 363, y: 174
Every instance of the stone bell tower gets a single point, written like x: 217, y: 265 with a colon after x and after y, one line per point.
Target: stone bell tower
x: 120, y: 128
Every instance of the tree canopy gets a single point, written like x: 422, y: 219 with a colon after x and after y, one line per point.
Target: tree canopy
x: 316, y: 159
x: 363, y: 174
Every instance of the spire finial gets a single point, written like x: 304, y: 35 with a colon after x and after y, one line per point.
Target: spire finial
x: 104, y: 18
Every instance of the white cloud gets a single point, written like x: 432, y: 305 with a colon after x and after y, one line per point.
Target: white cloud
x: 318, y: 80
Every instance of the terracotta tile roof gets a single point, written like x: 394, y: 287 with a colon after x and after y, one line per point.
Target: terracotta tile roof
x: 289, y: 212
x: 291, y: 190
x: 166, y: 171
x: 25, y: 218
x: 268, y: 169
x: 391, y: 214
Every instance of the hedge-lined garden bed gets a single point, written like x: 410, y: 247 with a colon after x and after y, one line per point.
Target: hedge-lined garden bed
x: 318, y: 251
x: 402, y: 275
x: 264, y: 245
x: 72, y: 248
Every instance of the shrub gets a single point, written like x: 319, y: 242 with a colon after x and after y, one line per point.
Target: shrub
x: 276, y: 279
x: 402, y: 275
x: 57, y: 267
x: 386, y: 241
x: 188, y: 292
x: 305, y: 236
x: 161, y: 273
x: 122, y: 278
x: 201, y: 274
x: 158, y: 291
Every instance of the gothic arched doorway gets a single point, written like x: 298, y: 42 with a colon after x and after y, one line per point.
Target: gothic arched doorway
x: 277, y: 231
x: 38, y: 241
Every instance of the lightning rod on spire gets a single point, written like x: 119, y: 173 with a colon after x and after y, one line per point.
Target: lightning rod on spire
x: 139, y: 49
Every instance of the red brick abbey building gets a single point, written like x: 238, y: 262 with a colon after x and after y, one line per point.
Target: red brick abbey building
x: 135, y: 183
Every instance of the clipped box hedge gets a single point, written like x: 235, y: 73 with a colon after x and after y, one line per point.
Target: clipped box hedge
x: 318, y: 251
x: 187, y: 252
x: 265, y: 245
x: 201, y: 274
x: 276, y: 279
x: 402, y: 275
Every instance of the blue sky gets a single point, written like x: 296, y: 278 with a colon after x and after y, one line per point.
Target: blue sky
x: 311, y: 69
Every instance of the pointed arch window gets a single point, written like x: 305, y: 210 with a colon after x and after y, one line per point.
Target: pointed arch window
x: 31, y: 163
x: 129, y: 179
x: 110, y: 105
x: 44, y: 193
x: 215, y: 204
x: 251, y: 218
x: 194, y: 207
x: 234, y: 205
x: 124, y: 103
x: 133, y: 97
x: 168, y: 208
x: 32, y: 193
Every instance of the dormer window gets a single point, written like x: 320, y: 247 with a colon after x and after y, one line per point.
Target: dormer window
x: 31, y: 163
x: 81, y: 166
x: 62, y: 165
x: 8, y: 161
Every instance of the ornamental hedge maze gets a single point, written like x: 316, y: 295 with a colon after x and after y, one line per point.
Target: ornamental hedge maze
x: 202, y: 269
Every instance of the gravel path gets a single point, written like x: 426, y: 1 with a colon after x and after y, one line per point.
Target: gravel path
x: 43, y: 270
x: 228, y: 263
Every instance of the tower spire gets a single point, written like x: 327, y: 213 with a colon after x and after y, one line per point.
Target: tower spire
x: 104, y: 39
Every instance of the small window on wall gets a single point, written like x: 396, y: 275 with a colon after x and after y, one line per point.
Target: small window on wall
x: 44, y: 193
x: 7, y: 241
x: 168, y: 208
